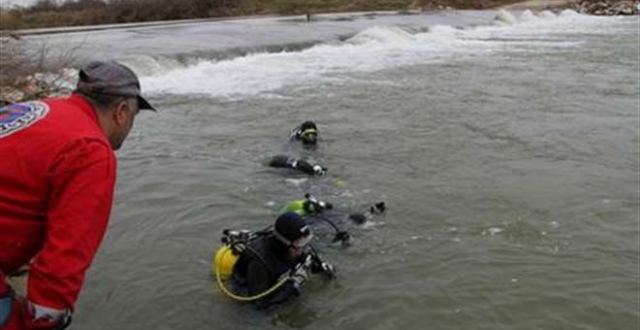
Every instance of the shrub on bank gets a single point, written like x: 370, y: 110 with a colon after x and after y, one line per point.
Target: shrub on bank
x: 48, y: 13
x: 32, y: 72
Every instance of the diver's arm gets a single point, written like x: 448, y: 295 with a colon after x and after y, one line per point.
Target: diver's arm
x: 319, y: 266
x: 259, y: 280
x: 316, y: 266
x: 281, y: 161
x: 305, y: 167
x: 297, y: 164
x: 295, y: 133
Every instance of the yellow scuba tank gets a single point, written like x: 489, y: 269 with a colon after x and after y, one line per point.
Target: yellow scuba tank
x: 224, y: 261
x: 226, y: 257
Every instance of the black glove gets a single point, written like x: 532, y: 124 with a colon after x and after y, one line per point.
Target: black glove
x: 319, y: 266
x: 378, y: 208
x: 342, y: 236
x: 358, y: 218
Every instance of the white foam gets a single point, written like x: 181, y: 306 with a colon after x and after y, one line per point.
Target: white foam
x: 145, y: 65
x: 505, y: 17
x: 373, y: 49
x: 528, y: 16
x: 295, y: 182
x: 372, y: 224
x: 569, y: 13
x: 381, y: 34
x: 492, y: 231
x: 547, y: 14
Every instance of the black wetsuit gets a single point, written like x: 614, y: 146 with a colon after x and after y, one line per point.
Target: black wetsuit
x: 283, y: 161
x: 257, y: 274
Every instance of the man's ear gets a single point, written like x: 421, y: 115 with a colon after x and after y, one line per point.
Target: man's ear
x: 120, y: 113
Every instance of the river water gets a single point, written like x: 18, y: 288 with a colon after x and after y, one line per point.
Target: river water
x: 506, y: 150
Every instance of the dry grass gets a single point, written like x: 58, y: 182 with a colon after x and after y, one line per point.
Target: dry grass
x: 31, y: 71
x: 87, y: 12
x: 13, y: 59
x: 251, y: 7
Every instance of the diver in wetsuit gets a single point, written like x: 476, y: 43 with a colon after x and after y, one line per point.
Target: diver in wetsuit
x: 284, y: 252
x: 313, y: 211
x: 307, y: 133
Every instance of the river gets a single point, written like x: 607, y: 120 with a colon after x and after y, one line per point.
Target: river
x: 507, y: 151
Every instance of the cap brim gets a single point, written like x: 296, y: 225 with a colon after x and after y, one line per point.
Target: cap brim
x: 144, y: 104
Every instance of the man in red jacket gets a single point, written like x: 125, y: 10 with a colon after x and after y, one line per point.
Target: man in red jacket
x: 57, y: 176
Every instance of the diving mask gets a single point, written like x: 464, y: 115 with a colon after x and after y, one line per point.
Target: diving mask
x: 309, y: 135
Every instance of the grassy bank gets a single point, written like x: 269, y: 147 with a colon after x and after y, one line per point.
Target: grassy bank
x: 49, y: 13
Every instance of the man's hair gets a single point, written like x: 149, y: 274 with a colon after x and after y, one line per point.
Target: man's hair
x: 103, y: 102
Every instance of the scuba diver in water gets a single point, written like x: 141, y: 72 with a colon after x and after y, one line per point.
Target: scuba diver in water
x: 307, y: 133
x: 313, y: 210
x: 270, y: 266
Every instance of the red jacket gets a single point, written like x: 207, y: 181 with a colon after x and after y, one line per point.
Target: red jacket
x: 57, y: 175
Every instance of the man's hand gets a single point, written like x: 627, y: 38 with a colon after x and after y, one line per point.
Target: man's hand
x: 35, y: 317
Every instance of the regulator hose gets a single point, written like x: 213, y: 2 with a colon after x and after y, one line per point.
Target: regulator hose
x: 341, y: 235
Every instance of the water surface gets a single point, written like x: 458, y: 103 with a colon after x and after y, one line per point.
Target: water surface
x: 508, y: 155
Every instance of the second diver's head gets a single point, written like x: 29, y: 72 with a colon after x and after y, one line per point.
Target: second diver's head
x: 308, y: 132
x: 292, y: 231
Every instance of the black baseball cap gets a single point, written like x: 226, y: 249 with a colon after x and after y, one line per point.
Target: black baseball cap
x: 292, y: 230
x: 111, y: 78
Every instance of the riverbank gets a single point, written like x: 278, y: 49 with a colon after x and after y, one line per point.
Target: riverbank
x: 539, y: 5
x: 589, y: 7
x: 607, y: 7
x: 24, y: 75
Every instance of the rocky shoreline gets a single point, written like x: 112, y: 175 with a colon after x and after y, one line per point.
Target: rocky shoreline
x: 607, y: 7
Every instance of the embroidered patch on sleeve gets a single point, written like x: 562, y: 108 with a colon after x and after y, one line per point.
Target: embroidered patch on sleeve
x: 16, y: 117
